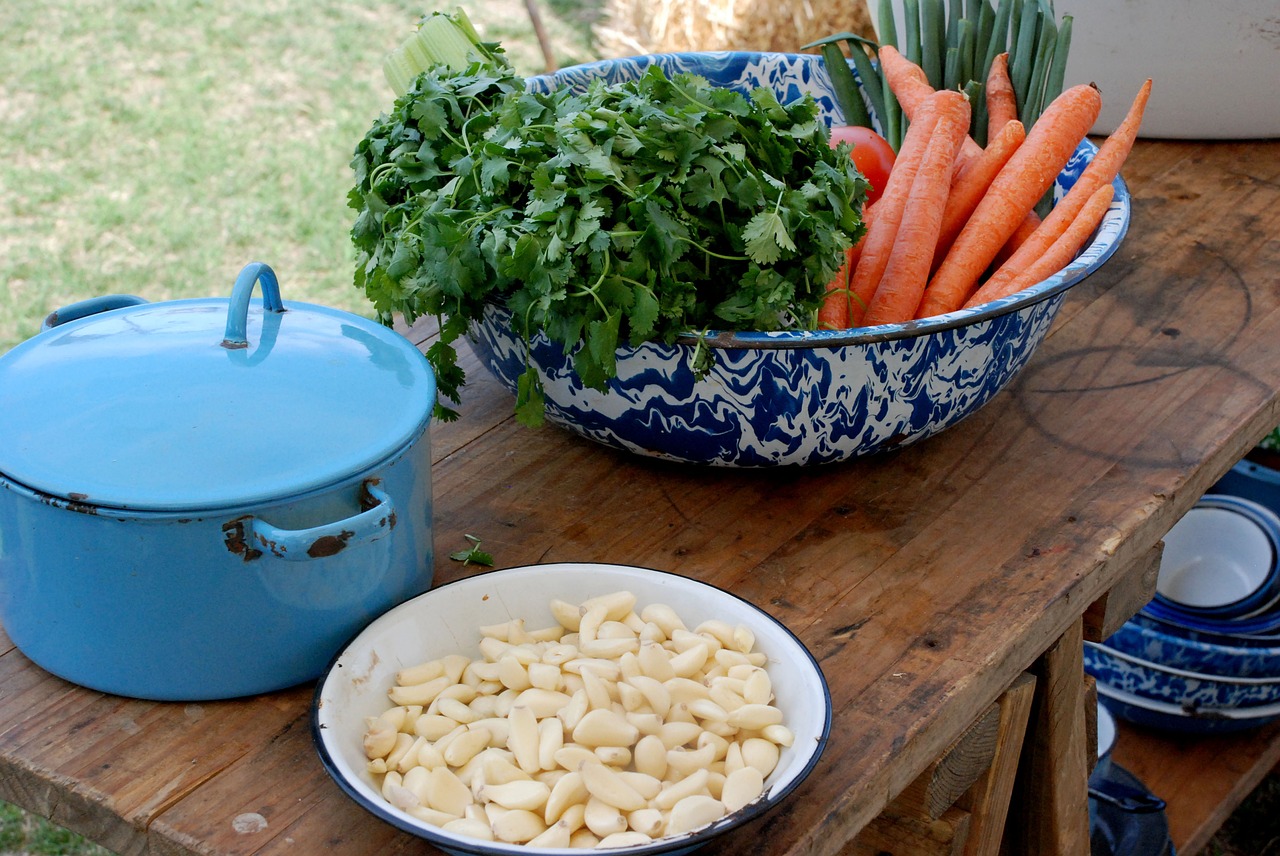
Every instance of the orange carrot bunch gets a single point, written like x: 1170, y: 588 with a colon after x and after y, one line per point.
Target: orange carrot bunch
x: 956, y: 225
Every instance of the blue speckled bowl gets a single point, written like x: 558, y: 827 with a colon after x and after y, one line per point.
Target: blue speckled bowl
x: 1179, y: 687
x: 1221, y: 658
x: 785, y: 398
x: 1169, y: 717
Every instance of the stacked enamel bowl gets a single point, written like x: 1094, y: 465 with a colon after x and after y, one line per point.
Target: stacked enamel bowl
x: 1204, y: 654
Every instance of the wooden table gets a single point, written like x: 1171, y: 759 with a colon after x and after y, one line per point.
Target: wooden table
x: 927, y: 581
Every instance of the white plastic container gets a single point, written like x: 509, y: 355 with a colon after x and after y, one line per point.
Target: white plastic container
x: 1214, y: 64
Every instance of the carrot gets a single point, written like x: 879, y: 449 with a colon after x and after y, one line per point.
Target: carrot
x: 972, y: 180
x: 1002, y: 104
x: 1060, y: 252
x: 907, y: 271
x: 1103, y: 169
x: 883, y: 228
x: 836, y: 306
x: 833, y: 314
x: 907, y: 81
x: 1028, y: 225
x: 1013, y: 192
x: 910, y: 85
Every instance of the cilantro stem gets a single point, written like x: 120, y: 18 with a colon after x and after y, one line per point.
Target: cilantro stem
x: 375, y: 174
x: 591, y: 290
x: 711, y: 252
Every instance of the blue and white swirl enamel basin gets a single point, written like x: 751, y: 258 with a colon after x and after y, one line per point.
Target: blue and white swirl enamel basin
x: 796, y: 397
x: 1186, y: 689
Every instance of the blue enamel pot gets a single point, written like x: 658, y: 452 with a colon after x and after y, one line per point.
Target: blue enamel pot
x: 204, y: 499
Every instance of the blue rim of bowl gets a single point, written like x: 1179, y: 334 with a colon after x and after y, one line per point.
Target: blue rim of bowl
x: 1235, y: 714
x: 1160, y: 668
x: 1242, y: 612
x: 1157, y: 632
x: 696, y: 838
x: 1115, y: 224
x: 1179, y: 631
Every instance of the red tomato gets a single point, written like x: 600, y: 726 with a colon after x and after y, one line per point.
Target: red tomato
x: 872, y: 154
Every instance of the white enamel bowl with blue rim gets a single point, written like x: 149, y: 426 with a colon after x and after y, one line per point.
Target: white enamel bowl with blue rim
x: 1164, y: 716
x: 1189, y: 690
x: 447, y: 620
x: 1220, y: 561
x: 1251, y: 480
x: 801, y: 397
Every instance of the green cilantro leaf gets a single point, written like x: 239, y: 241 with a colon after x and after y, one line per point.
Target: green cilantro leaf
x: 632, y: 212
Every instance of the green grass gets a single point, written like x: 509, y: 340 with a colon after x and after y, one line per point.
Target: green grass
x: 26, y: 834
x: 154, y: 147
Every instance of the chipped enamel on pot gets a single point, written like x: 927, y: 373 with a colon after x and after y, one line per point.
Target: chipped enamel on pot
x: 206, y: 498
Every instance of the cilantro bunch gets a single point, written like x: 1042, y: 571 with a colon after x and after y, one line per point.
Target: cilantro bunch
x: 626, y: 213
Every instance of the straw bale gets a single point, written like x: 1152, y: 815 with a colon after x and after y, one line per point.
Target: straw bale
x: 630, y: 27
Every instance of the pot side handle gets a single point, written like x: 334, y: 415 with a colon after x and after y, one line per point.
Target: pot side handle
x: 91, y: 306
x: 329, y: 539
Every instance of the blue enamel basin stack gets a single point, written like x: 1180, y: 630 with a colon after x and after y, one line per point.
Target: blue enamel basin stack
x: 1203, y: 656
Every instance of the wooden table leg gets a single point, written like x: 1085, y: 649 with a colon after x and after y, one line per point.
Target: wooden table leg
x: 957, y: 806
x: 988, y: 799
x: 1050, y: 809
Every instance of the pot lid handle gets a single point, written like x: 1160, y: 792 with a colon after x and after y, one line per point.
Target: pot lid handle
x: 236, y: 336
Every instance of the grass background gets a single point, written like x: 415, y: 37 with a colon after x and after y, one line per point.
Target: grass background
x: 153, y: 147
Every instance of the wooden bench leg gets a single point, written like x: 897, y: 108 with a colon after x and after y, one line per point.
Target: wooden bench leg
x: 1050, y: 809
x: 988, y: 800
x: 957, y: 805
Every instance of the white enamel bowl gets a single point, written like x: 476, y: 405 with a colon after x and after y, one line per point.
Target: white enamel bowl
x: 446, y: 620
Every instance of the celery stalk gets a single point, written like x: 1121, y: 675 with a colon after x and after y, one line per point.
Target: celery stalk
x: 447, y: 39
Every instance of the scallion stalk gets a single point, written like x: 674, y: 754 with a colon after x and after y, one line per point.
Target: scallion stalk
x: 867, y: 75
x: 933, y: 41
x: 1045, y: 44
x: 913, y: 49
x: 1058, y: 71
x: 892, y: 118
x: 852, y: 107
x: 1022, y: 54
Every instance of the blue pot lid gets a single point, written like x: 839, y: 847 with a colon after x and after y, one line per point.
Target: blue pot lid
x: 208, y: 403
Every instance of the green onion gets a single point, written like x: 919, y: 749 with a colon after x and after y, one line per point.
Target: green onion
x: 867, y: 74
x: 933, y: 41
x: 892, y: 117
x: 951, y: 72
x: 1044, y: 56
x: 911, y: 21
x: 1023, y: 52
x: 1058, y: 70
x: 852, y: 107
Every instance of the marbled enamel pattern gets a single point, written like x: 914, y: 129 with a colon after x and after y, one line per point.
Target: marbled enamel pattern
x: 1197, y: 655
x: 1188, y: 690
x: 796, y: 397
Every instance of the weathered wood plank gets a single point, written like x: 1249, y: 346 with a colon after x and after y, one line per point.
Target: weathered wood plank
x: 945, y: 780
x: 1202, y: 779
x: 1127, y: 597
x: 988, y: 800
x: 894, y: 834
x: 1050, y: 812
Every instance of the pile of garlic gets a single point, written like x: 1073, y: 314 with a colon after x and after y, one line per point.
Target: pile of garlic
x: 610, y: 728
